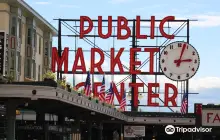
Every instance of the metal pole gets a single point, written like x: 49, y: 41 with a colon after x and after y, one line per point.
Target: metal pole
x: 122, y: 132
x: 76, y: 46
x: 187, y: 81
x: 11, y: 119
x: 90, y: 131
x: 133, y: 108
x: 59, y: 75
x: 100, y: 131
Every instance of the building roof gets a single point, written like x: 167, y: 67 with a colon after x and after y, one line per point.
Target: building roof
x: 38, y: 16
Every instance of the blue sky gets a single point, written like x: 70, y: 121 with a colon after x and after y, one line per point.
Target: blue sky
x: 203, y: 34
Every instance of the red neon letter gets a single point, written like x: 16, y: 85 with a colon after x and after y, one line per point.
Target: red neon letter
x: 138, y: 29
x: 82, y: 84
x: 152, y: 51
x: 119, y: 95
x: 152, y: 27
x: 96, y: 85
x: 208, y: 117
x: 116, y: 60
x: 171, y: 99
x: 79, y: 55
x: 136, y: 86
x: 151, y: 94
x: 98, y: 64
x: 100, y: 27
x: 133, y: 62
x: 168, y: 18
x: 124, y: 26
x: 216, y: 118
x: 88, y: 30
x: 60, y: 61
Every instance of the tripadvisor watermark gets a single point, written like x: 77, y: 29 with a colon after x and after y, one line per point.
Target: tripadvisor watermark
x: 170, y: 129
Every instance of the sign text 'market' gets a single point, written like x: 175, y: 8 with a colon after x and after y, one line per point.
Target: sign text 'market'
x: 79, y: 60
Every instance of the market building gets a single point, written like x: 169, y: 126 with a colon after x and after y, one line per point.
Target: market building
x: 26, y: 38
x: 26, y: 42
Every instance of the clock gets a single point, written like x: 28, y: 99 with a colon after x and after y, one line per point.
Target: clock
x: 179, y: 61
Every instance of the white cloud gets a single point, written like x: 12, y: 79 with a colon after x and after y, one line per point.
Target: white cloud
x: 203, y: 21
x: 69, y: 6
x: 205, y: 83
x: 206, y: 21
x: 43, y: 3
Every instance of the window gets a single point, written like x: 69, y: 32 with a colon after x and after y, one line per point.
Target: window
x: 39, y: 73
x: 19, y: 29
x: 28, y: 69
x: 14, y: 19
x: 50, y: 53
x: 29, y: 37
x: 13, y: 26
x: 34, y: 69
x: 12, y: 42
x: 12, y: 63
x: 12, y: 60
x: 39, y: 45
x: 13, y: 32
x: 18, y: 62
x: 34, y: 38
x: 46, y: 48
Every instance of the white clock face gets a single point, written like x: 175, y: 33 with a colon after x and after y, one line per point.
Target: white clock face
x: 179, y: 61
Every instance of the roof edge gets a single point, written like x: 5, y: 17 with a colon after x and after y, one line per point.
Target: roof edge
x: 35, y: 13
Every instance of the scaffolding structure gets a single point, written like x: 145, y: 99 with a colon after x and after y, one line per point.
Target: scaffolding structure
x: 180, y: 28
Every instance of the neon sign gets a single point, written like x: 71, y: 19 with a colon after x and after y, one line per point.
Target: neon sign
x: 183, y: 62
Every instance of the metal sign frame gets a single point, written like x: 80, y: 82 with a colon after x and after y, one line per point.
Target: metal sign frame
x: 67, y: 24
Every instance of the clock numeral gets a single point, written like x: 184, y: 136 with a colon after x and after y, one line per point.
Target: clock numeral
x: 163, y: 60
x: 187, y: 75
x: 187, y: 47
x: 195, y: 61
x: 171, y: 74
x: 164, y: 69
x: 193, y: 53
x: 165, y: 52
x: 193, y: 69
x: 171, y: 46
x: 179, y: 44
x: 178, y: 77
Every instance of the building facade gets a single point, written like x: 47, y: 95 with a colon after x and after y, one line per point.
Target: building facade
x: 26, y: 41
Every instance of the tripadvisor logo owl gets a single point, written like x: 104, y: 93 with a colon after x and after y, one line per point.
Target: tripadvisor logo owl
x: 170, y: 129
